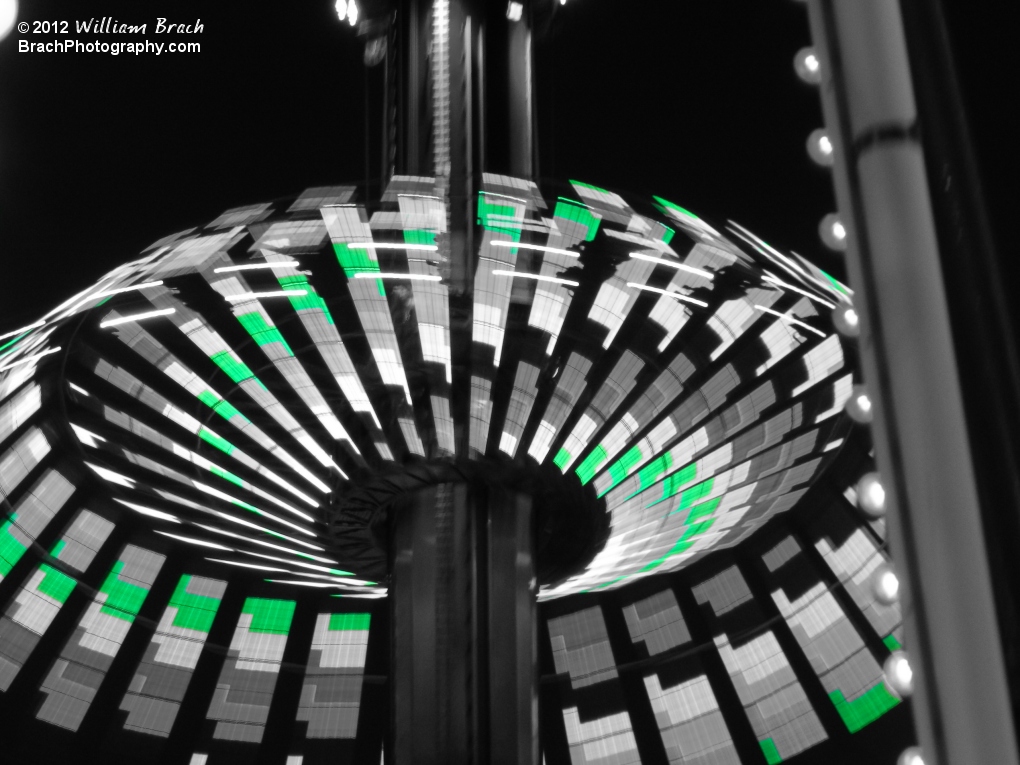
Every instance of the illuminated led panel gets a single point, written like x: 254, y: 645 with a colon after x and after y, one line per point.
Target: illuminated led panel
x: 242, y: 216
x: 142, y: 392
x: 502, y: 218
x: 189, y: 254
x: 854, y: 561
x: 568, y: 227
x: 153, y: 436
x: 257, y: 322
x: 780, y: 714
x: 692, y: 726
x: 30, y: 516
x: 18, y: 409
x: 615, y: 299
x: 244, y: 691
x: 320, y: 196
x: 821, y: 361
x: 774, y: 701
x: 618, y: 385
x: 850, y: 674
x: 222, y: 355
x: 331, y: 694
x: 580, y: 646
x: 163, y: 470
x: 699, y: 404
x: 663, y: 391
x: 154, y: 696
x: 678, y: 519
x: 37, y: 603
x: 522, y: 398
x: 828, y: 401
x: 318, y: 322
x: 19, y: 460
x: 421, y: 218
x: 782, y: 337
x: 76, y: 675
x: 607, y: 739
x: 672, y: 314
x: 657, y: 622
x: 569, y: 387
x: 733, y: 318
x: 346, y: 226
x: 153, y: 351
x: 290, y: 236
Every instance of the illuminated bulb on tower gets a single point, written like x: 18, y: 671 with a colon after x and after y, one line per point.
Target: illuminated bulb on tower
x: 910, y: 756
x: 858, y: 406
x: 8, y: 15
x: 808, y: 66
x: 847, y: 322
x: 819, y: 147
x: 899, y: 677
x: 833, y: 232
x: 885, y: 585
x: 871, y: 495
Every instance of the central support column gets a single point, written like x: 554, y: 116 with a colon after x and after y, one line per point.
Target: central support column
x: 463, y: 616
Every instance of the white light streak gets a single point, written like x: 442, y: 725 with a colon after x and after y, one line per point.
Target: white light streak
x: 312, y: 584
x: 672, y: 264
x: 137, y: 317
x: 253, y: 266
x: 192, y: 540
x: 777, y: 281
x: 536, y: 277
x: 150, y: 512
x: 23, y: 330
x: 390, y: 246
x: 391, y: 275
x: 790, y: 320
x: 270, y: 545
x: 538, y: 247
x: 248, y: 565
x: 29, y: 359
x: 258, y: 295
x: 674, y: 295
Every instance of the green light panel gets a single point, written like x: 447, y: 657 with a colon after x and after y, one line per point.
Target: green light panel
x: 152, y: 351
x: 30, y: 516
x: 37, y: 604
x: 164, y: 673
x: 244, y: 691
x: 331, y: 695
x: 77, y: 674
x: 845, y: 666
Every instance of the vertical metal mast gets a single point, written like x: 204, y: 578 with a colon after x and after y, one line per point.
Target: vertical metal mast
x: 463, y: 589
x: 947, y: 458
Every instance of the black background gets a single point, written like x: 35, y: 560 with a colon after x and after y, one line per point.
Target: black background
x: 101, y: 155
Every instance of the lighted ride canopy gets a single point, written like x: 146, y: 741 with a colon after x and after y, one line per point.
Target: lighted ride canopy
x: 269, y: 386
x: 462, y: 394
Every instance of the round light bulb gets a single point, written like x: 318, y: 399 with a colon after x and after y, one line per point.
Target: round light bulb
x: 808, y: 66
x: 899, y: 677
x: 819, y: 147
x: 847, y: 322
x: 833, y: 232
x: 885, y: 585
x: 8, y: 15
x: 871, y: 495
x: 910, y: 756
x: 858, y: 406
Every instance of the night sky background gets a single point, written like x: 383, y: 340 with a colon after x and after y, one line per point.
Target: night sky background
x: 697, y: 102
